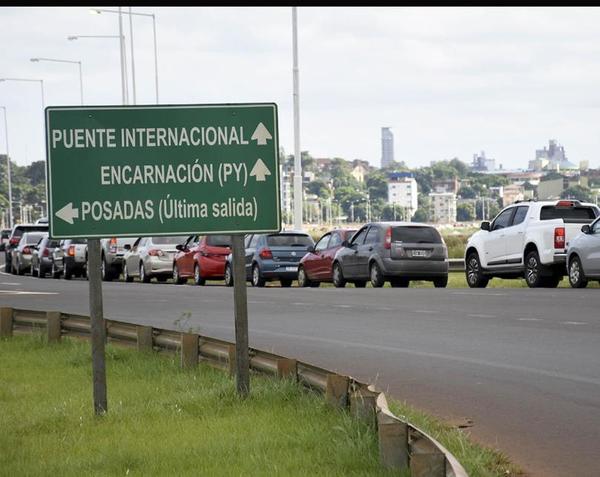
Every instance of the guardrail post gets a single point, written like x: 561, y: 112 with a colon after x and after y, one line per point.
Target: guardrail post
x: 6, y: 322
x: 393, y: 441
x: 428, y: 465
x: 231, y: 361
x: 363, y: 405
x: 287, y: 368
x: 336, y: 392
x: 145, y: 341
x: 53, y: 326
x: 189, y: 350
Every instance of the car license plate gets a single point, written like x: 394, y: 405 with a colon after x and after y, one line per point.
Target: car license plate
x: 419, y: 253
x: 291, y: 269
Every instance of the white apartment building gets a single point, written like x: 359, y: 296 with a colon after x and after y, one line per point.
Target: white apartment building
x: 444, y: 207
x: 404, y: 193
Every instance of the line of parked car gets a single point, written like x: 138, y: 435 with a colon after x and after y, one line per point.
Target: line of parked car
x: 538, y: 241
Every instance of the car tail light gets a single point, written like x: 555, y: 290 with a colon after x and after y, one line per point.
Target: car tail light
x: 559, y: 237
x: 113, y: 245
x: 155, y: 252
x: 46, y: 253
x: 387, y: 243
x: 71, y: 251
x: 14, y: 240
x: 27, y: 250
x: 265, y: 253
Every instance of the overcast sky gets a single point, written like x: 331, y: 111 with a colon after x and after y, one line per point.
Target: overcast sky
x: 449, y: 81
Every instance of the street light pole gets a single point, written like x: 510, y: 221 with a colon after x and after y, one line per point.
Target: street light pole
x: 132, y: 60
x: 130, y: 13
x: 10, y: 205
x: 297, y: 158
x: 54, y: 60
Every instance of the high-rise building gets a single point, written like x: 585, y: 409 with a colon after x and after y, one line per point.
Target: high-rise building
x: 387, y: 147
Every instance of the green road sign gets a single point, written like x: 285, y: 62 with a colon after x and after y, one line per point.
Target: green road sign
x: 162, y: 170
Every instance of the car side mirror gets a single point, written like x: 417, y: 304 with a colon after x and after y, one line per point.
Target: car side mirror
x: 127, y: 247
x: 586, y: 229
x: 311, y: 249
x: 485, y: 225
x: 180, y: 247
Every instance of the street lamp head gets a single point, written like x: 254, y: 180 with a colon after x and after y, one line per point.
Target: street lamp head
x: 73, y: 37
x: 35, y: 60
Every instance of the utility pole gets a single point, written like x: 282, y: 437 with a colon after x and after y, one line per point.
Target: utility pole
x: 297, y: 156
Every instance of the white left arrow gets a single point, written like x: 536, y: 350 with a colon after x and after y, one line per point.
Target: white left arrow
x: 260, y: 170
x: 68, y: 213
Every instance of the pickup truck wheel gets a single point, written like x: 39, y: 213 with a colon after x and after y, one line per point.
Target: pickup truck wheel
x: 338, y: 277
x: 68, y: 272
x: 577, y: 277
x: 533, y: 270
x: 105, y: 271
x: 377, y: 279
x: 474, y: 274
x: 228, y: 276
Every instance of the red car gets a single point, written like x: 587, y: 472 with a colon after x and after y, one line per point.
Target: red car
x: 201, y: 258
x: 315, y: 266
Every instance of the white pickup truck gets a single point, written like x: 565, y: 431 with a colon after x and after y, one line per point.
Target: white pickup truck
x: 526, y: 239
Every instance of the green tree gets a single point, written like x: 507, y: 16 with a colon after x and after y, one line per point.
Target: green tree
x: 577, y: 192
x: 465, y: 212
x: 377, y: 185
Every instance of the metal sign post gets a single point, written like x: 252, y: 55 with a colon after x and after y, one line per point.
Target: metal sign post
x: 98, y: 328
x: 242, y: 359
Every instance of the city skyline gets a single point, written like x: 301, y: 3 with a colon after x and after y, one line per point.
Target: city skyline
x: 450, y: 82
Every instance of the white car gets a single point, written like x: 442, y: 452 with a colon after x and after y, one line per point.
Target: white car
x: 526, y: 239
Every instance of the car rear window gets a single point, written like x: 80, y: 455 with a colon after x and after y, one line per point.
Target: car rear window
x: 568, y: 214
x: 218, y: 240
x: 289, y: 240
x: 33, y: 238
x: 20, y: 230
x: 416, y: 235
x: 169, y: 240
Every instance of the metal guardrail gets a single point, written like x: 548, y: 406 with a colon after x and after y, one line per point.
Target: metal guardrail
x: 401, y: 444
x: 456, y: 264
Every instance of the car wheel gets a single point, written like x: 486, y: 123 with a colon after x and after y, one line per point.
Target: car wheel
x: 360, y: 284
x: 104, y: 271
x: 286, y: 282
x: 257, y: 280
x: 303, y: 280
x: 399, y: 283
x: 577, y: 277
x: 440, y: 282
x: 177, y: 280
x: 55, y: 273
x: 474, y: 274
x: 68, y: 272
x: 533, y: 270
x: 144, y: 277
x: 377, y: 279
x: 338, y: 276
x: 198, y: 280
x: 228, y: 276
x: 128, y: 278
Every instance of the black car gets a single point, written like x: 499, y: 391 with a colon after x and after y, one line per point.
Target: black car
x: 272, y: 257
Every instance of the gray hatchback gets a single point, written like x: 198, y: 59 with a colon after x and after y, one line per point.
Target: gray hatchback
x: 583, y: 256
x: 394, y: 251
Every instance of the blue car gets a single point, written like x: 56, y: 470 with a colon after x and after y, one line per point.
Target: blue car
x: 272, y: 257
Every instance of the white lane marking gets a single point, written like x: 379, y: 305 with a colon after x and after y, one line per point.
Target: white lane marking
x: 479, y: 294
x: 383, y: 308
x: 23, y: 292
x: 573, y: 322
x: 343, y: 306
x: 481, y: 315
x: 529, y: 319
x: 300, y: 303
x: 11, y: 284
x: 433, y: 312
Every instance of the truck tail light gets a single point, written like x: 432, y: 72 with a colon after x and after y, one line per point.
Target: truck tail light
x: 26, y: 250
x: 155, y: 252
x: 559, y: 237
x: 71, y: 251
x: 387, y: 243
x: 265, y: 253
x: 113, y: 245
x: 46, y: 253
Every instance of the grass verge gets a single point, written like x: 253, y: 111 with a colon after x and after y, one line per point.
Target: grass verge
x: 163, y: 420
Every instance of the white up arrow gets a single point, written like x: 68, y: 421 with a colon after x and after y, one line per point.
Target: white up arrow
x: 68, y: 213
x: 261, y: 134
x: 260, y: 171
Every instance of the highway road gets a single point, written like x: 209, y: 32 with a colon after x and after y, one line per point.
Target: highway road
x: 523, y: 365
